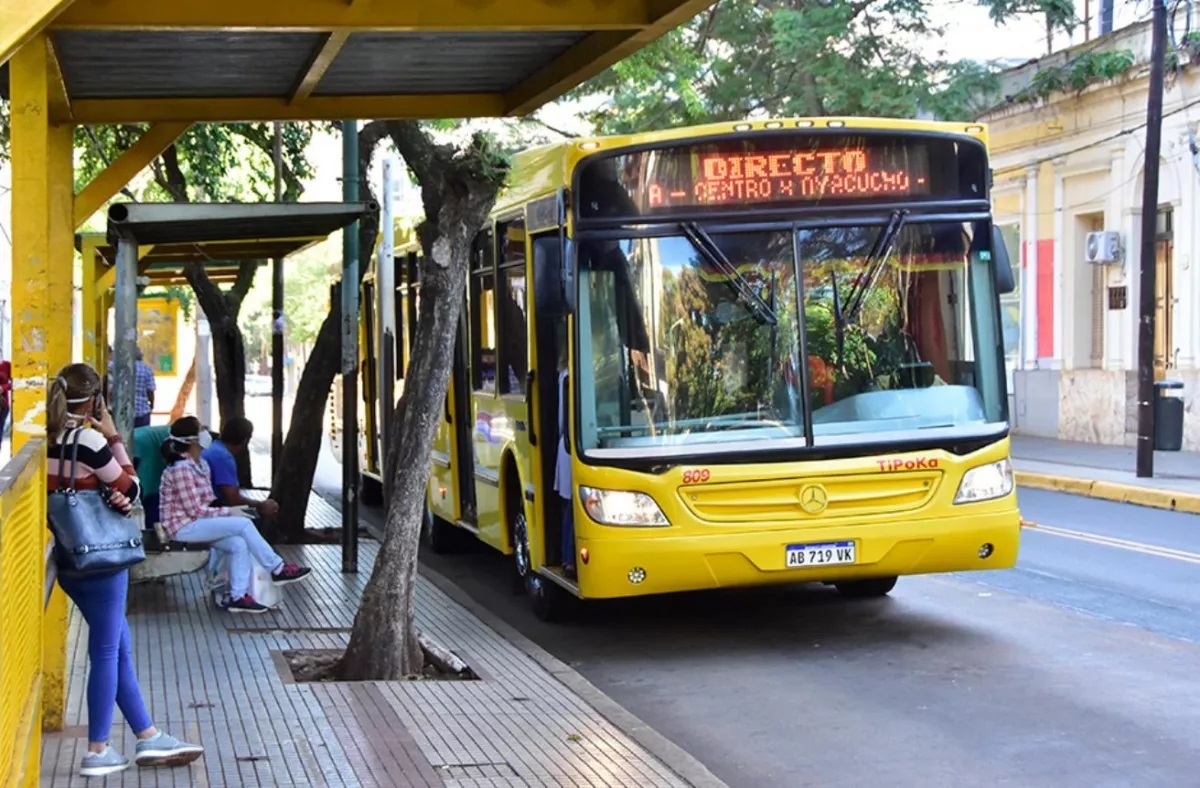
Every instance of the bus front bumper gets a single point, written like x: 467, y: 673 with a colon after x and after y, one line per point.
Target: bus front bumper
x: 645, y: 563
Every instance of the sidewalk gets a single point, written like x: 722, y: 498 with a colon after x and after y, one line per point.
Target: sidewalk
x: 1108, y: 472
x: 219, y: 679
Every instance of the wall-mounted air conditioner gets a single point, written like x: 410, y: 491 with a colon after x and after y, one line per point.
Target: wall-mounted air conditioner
x: 1102, y: 248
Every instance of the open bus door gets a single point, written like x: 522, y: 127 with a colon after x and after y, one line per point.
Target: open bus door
x: 463, y: 425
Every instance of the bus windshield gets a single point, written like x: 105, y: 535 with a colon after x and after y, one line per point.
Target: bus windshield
x: 700, y: 337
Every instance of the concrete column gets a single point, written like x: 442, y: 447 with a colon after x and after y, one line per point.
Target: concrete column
x: 1029, y: 244
x: 1056, y: 359
x: 1119, y: 196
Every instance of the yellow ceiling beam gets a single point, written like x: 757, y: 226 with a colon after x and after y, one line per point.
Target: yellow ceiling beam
x: 596, y: 53
x: 232, y: 110
x: 320, y: 64
x: 21, y: 20
x: 104, y: 186
x: 362, y: 15
x: 108, y: 280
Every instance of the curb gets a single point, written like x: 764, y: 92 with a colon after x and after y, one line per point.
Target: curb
x: 1112, y: 491
x: 672, y: 755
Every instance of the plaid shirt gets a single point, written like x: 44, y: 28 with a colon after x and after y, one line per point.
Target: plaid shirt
x: 186, y: 495
x: 143, y: 384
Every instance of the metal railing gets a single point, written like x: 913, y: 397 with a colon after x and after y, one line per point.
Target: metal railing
x: 25, y: 587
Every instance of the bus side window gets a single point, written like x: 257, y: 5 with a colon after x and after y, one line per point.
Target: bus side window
x: 483, y: 315
x: 513, y: 312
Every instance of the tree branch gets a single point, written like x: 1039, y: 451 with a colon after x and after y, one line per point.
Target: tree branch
x: 245, y: 280
x: 172, y: 178
x: 256, y: 134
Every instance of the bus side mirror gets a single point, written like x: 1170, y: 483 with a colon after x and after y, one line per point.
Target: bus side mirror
x: 1005, y: 282
x: 566, y: 277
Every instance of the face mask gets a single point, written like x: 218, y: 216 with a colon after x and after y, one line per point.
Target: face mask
x: 205, y: 439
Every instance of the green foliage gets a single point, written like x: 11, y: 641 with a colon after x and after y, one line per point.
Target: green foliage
x: 746, y: 58
x: 1059, y: 14
x: 307, y: 277
x: 1078, y: 73
x: 226, y: 162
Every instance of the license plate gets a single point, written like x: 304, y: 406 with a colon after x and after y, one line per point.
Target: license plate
x: 820, y: 554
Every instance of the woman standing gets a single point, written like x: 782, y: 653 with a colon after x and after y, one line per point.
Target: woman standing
x: 185, y: 502
x: 74, y: 403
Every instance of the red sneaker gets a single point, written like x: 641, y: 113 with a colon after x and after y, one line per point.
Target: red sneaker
x: 246, y: 605
x: 290, y: 573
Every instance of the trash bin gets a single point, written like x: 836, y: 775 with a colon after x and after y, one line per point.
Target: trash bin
x: 1168, y: 415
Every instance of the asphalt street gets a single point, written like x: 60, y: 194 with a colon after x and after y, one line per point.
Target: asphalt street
x: 1080, y: 667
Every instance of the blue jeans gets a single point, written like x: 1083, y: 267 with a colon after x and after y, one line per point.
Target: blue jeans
x: 568, y: 532
x: 150, y: 507
x: 141, y: 421
x: 112, y: 678
x: 237, y: 537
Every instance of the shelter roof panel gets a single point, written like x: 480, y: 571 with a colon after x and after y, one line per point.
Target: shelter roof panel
x: 185, y: 64
x: 167, y: 223
x: 131, y: 61
x: 392, y: 63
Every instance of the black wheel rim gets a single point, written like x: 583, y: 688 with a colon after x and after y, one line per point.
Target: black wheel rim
x: 521, y: 545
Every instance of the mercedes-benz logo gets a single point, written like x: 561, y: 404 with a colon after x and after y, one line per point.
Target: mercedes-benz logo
x: 813, y: 498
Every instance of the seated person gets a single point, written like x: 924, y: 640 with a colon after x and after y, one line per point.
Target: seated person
x: 148, y: 461
x: 187, y: 516
x: 221, y: 457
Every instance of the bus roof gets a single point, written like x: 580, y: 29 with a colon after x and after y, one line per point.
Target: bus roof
x: 540, y: 171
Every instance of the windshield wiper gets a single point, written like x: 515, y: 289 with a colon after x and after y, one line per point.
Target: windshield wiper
x: 873, y: 266
x: 706, y: 246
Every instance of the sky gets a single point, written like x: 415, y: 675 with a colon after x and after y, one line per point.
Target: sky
x: 972, y: 35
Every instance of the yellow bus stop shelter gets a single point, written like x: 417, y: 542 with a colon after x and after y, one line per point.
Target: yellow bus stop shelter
x: 173, y: 63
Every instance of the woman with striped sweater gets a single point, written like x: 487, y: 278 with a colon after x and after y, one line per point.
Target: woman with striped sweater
x: 75, y: 404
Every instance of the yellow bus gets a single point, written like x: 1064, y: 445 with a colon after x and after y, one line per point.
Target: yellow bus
x: 771, y: 349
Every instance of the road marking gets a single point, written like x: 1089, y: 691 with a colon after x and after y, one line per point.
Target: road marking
x: 1122, y: 544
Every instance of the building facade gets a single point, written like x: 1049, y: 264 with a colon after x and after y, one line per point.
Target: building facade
x: 1070, y: 163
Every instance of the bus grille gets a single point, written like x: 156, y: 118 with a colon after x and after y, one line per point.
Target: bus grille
x: 792, y: 499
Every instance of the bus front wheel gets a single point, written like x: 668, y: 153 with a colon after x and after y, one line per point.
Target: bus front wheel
x: 866, y: 589
x: 370, y: 490
x: 550, y: 602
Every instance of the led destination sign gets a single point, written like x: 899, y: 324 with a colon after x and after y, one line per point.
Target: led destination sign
x: 723, y: 178
x: 730, y: 173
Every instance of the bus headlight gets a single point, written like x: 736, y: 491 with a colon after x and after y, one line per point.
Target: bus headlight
x: 994, y: 480
x: 618, y: 507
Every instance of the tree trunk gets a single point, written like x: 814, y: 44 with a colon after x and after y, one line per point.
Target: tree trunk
x: 458, y: 191
x: 185, y: 392
x: 302, y: 447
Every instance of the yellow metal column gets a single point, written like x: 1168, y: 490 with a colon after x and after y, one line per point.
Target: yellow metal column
x: 90, y: 303
x: 43, y: 265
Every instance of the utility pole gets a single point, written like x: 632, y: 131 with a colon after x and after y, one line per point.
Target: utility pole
x: 1146, y: 300
x: 350, y: 353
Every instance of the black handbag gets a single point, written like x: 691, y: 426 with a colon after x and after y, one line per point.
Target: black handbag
x: 90, y: 538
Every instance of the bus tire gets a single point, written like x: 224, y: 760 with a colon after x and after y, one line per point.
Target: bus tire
x: 866, y: 589
x: 551, y: 603
x: 370, y: 490
x: 440, y: 536
x: 522, y: 555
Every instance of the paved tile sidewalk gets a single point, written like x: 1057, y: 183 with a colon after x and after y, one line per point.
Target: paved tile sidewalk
x: 214, y: 678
